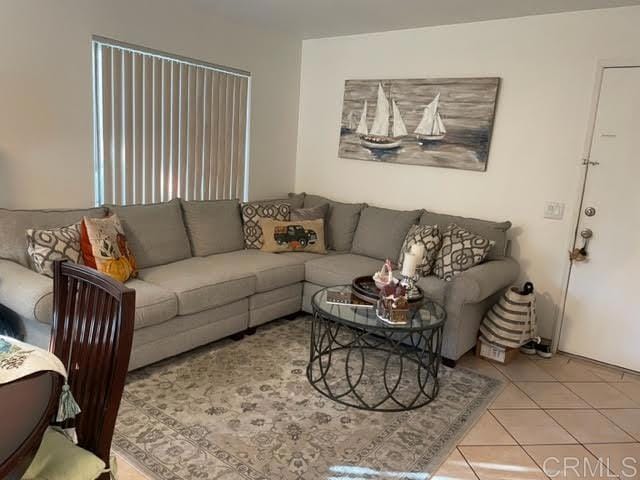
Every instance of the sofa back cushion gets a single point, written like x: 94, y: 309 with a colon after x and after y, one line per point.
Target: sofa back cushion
x: 381, y: 232
x: 213, y: 226
x: 155, y: 232
x: 14, y: 225
x: 496, y: 231
x: 341, y: 221
x: 296, y: 200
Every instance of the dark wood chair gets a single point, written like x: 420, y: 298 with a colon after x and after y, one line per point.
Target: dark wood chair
x: 93, y: 318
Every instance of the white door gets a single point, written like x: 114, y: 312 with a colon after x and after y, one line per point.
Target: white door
x: 602, y: 314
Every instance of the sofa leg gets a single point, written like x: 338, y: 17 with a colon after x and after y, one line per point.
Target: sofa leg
x: 237, y: 336
x: 293, y: 316
x: 250, y: 330
x: 447, y: 362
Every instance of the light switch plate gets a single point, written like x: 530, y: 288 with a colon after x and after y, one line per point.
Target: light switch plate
x: 554, y: 210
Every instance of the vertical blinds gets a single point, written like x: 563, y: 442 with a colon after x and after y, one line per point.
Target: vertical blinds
x: 167, y: 128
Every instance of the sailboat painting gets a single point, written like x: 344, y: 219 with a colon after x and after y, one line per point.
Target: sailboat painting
x: 443, y: 122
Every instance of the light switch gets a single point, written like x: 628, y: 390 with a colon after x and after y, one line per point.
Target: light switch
x: 554, y: 210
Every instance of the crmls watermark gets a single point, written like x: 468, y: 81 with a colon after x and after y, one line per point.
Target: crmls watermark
x: 585, y: 467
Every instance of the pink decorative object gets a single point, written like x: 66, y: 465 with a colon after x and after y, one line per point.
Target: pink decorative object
x: 384, y: 277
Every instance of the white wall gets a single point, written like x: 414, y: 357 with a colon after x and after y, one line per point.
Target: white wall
x: 46, y: 156
x: 547, y: 65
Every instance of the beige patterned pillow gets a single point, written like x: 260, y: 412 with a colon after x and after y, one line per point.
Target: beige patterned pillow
x: 293, y: 236
x: 428, y: 236
x: 460, y: 251
x: 251, y: 215
x: 45, y: 246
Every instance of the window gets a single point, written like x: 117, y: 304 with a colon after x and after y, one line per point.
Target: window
x: 167, y: 127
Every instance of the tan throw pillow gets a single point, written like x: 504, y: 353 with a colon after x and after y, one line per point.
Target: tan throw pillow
x: 253, y: 212
x: 429, y: 237
x: 105, y: 248
x: 294, y: 236
x: 45, y: 246
x: 460, y: 251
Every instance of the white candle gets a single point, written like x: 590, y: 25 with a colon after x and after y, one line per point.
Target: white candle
x: 409, y: 264
x: 418, y: 250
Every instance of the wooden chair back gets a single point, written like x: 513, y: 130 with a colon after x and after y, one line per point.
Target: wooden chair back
x: 93, y: 318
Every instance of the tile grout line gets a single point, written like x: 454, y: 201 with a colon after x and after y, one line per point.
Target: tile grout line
x: 468, y: 463
x: 605, y: 383
x: 503, y: 427
x: 616, y: 424
x: 522, y: 447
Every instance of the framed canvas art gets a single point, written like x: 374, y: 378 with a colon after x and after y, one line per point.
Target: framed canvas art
x: 440, y: 122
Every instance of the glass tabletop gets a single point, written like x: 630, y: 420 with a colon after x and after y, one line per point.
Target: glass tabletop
x: 428, y: 316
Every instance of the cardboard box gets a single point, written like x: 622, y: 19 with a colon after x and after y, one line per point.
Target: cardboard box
x: 494, y: 353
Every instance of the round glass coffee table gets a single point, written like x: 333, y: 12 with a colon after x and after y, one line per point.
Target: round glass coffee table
x: 361, y: 361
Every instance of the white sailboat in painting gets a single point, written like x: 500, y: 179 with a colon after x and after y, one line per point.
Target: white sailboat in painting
x: 379, y: 137
x: 351, y: 123
x: 431, y: 127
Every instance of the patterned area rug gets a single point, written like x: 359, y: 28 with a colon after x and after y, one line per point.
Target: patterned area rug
x: 245, y: 410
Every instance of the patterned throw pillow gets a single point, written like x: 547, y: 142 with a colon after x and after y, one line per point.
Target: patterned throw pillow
x: 293, y: 236
x: 45, y: 246
x: 460, y: 251
x: 251, y: 215
x: 105, y: 248
x: 427, y: 235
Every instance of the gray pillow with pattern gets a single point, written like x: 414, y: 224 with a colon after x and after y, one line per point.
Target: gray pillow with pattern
x: 252, y: 213
x: 428, y: 236
x: 460, y: 251
x: 45, y: 246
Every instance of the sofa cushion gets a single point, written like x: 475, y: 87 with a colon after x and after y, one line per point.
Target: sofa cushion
x: 30, y: 295
x: 200, y: 284
x: 270, y: 270
x: 381, y: 231
x: 311, y: 213
x: 341, y: 223
x: 264, y: 299
x: 304, y: 257
x: 496, y: 231
x: 14, y: 225
x: 213, y: 226
x: 154, y: 304
x: 339, y: 269
x: 296, y: 200
x: 155, y: 232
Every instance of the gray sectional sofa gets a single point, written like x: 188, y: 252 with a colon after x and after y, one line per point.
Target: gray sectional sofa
x: 198, y: 284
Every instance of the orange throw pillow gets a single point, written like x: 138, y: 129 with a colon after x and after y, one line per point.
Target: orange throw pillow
x: 105, y: 248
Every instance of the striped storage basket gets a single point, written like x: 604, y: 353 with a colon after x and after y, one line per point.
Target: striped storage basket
x: 512, y: 321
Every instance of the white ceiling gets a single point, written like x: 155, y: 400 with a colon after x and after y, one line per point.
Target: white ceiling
x: 327, y: 18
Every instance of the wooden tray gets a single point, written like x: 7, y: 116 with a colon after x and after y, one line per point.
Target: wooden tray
x: 365, y: 289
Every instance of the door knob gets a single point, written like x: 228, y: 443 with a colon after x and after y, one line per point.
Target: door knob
x: 581, y: 254
x: 589, y: 211
x: 587, y: 233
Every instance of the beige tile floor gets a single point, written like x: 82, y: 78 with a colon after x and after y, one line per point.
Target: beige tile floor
x: 552, y: 413
x: 555, y: 412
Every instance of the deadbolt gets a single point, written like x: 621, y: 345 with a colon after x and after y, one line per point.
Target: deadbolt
x: 589, y: 211
x: 586, y: 233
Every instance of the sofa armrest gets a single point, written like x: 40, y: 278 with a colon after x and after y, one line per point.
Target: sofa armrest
x: 26, y: 292
x: 482, y: 281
